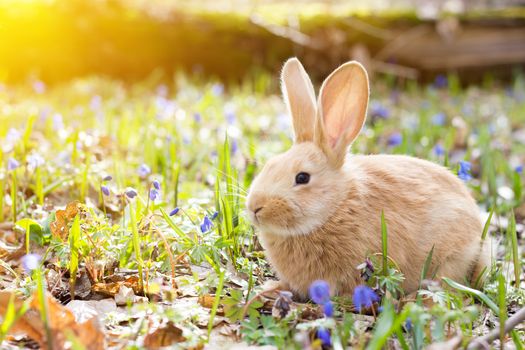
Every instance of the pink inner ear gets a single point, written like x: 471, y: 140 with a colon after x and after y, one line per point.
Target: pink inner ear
x: 344, y: 101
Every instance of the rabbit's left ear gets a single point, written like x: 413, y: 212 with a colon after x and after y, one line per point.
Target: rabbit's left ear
x: 342, y: 105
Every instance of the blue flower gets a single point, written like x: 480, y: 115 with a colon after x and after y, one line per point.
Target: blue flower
x: 234, y: 146
x: 441, y: 81
x: 230, y: 117
x: 206, y: 224
x: 217, y: 89
x: 214, y: 215
x: 35, y: 160
x: 144, y: 170
x: 39, y: 87
x: 131, y: 193
x: 156, y: 184
x: 464, y: 171
x: 153, y: 194
x: 438, y: 150
x: 174, y: 211
x: 12, y: 164
x: 328, y: 309
x: 324, y: 335
x: 107, y: 178
x: 408, y: 324
x: 439, y: 119
x: 364, y: 296
x: 197, y: 117
x: 377, y: 110
x: 519, y: 169
x: 320, y: 292
x: 395, y: 139
x: 105, y: 190
x: 30, y: 262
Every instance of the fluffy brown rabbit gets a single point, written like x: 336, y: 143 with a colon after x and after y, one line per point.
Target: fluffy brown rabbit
x: 318, y: 208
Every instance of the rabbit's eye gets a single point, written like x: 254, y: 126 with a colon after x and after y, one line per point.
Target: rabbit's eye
x: 302, y: 178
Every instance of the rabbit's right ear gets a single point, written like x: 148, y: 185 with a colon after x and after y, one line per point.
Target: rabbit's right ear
x: 299, y: 96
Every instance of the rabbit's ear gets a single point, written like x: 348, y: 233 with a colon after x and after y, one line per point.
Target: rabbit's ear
x: 343, y: 101
x: 299, y: 96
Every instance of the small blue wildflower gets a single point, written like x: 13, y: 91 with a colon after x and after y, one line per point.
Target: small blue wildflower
x: 30, y: 262
x: 214, y: 215
x: 234, y: 146
x: 364, y: 296
x: 230, y: 117
x: 12, y: 164
x: 144, y: 170
x: 217, y: 89
x: 320, y: 292
x: 153, y: 194
x: 206, y: 224
x: 197, y: 117
x: 395, y: 139
x: 519, y: 169
x: 378, y: 110
x: 441, y: 81
x: 105, y: 190
x: 107, y: 178
x: 35, y: 160
x: 328, y: 309
x: 324, y: 335
x: 156, y: 184
x: 58, y: 122
x: 96, y: 103
x: 131, y: 193
x: 408, y: 324
x: 174, y: 211
x: 162, y: 90
x: 13, y: 135
x: 39, y: 87
x: 438, y: 150
x: 464, y: 171
x: 439, y: 119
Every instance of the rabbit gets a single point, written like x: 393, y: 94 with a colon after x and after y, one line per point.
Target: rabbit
x: 317, y: 208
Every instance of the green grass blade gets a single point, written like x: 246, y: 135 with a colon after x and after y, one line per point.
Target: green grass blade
x: 74, y: 240
x: 502, y: 314
x: 476, y: 293
x: 216, y: 302
x: 513, y: 238
x: 487, y: 224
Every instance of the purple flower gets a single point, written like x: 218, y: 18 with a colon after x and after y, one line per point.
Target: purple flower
x: 12, y: 164
x: 35, y: 160
x: 379, y: 111
x: 464, y: 171
x: 324, y: 335
x: 439, y: 119
x: 30, y: 262
x: 107, y: 178
x: 174, y: 211
x: 234, y: 146
x: 58, y: 122
x: 105, y: 190
x: 438, y: 150
x: 214, y: 215
x: 217, y: 89
x: 144, y: 170
x: 364, y: 296
x: 328, y: 309
x: 39, y: 87
x: 230, y: 116
x: 320, y: 292
x: 153, y: 194
x: 197, y: 117
x: 441, y: 81
x: 206, y: 224
x: 96, y: 103
x: 131, y: 193
x: 408, y: 324
x: 395, y: 139
x: 13, y: 135
x: 156, y: 184
x: 519, y: 169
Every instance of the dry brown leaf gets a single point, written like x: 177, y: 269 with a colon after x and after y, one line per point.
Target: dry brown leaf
x: 164, y: 336
x: 62, y: 324
x: 60, y: 227
x: 206, y: 301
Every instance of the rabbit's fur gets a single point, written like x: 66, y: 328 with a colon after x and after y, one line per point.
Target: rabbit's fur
x: 324, y: 229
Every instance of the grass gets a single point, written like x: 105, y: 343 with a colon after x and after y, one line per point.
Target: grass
x: 204, y: 145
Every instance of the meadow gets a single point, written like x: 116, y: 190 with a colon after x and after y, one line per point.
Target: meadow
x: 126, y: 201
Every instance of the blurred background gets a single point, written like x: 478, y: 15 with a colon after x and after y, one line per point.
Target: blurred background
x: 56, y: 40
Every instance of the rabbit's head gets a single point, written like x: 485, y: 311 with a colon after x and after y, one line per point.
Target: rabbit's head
x: 297, y: 191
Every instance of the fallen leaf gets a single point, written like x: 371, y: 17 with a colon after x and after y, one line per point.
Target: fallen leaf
x: 207, y: 301
x: 60, y: 227
x: 164, y: 336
